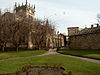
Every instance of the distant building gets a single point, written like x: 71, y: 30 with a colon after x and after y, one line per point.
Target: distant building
x: 88, y: 38
x: 73, y: 30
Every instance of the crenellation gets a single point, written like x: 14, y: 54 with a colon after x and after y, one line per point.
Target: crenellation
x: 24, y: 10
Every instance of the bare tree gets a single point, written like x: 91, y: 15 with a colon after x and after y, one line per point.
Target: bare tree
x: 40, y: 32
x: 16, y: 30
x: 12, y: 30
x: 98, y: 18
x: 4, y: 31
x: 20, y: 31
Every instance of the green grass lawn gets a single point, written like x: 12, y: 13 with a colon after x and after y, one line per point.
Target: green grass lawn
x: 86, y: 53
x: 5, y: 55
x: 76, y: 66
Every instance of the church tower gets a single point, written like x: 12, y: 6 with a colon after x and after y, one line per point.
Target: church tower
x: 24, y: 10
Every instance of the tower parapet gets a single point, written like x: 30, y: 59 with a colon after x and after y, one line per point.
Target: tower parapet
x: 24, y: 10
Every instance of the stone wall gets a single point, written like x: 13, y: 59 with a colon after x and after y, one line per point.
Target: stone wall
x: 88, y: 41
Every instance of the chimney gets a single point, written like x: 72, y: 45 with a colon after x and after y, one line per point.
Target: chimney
x: 97, y: 25
x: 34, y: 6
x: 85, y: 26
x: 91, y: 26
x: 26, y: 2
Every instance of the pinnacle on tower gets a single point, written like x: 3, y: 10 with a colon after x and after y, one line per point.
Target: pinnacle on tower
x: 15, y: 4
x: 34, y: 6
x: 26, y: 2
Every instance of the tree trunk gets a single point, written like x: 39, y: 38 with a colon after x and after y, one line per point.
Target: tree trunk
x: 3, y: 48
x: 38, y: 47
x: 17, y: 48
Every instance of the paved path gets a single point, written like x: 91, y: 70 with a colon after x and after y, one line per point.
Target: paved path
x: 53, y: 52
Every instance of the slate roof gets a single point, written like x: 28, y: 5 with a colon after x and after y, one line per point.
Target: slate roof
x: 87, y: 31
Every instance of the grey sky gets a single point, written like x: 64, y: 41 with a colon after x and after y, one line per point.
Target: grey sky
x: 65, y: 13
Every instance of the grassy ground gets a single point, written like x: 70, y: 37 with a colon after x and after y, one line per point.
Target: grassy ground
x: 5, y: 55
x: 86, y: 53
x: 76, y: 66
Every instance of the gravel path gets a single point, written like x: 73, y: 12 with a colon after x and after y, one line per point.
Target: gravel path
x: 53, y: 52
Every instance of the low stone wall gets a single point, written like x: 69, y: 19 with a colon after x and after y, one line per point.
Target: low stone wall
x: 89, y: 41
x: 39, y: 71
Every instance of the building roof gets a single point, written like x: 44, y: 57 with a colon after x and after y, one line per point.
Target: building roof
x: 72, y: 27
x: 8, y: 16
x: 87, y: 31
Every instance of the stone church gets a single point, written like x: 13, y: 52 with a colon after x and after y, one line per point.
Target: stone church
x: 87, y: 38
x: 26, y: 11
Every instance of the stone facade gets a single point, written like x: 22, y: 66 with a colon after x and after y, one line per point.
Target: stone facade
x: 88, y: 38
x: 54, y: 41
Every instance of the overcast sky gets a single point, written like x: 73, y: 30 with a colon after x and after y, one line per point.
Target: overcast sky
x: 64, y: 13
